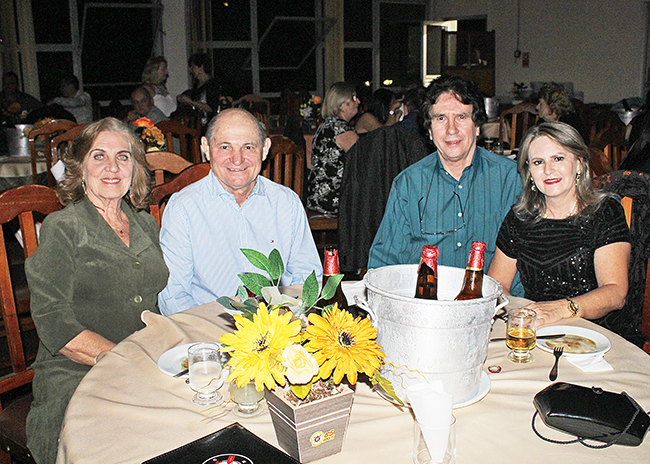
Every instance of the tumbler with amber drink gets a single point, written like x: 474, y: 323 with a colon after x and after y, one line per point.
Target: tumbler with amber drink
x: 521, y: 334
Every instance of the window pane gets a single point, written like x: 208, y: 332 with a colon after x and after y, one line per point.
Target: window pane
x: 267, y: 10
x: 357, y: 21
x: 358, y: 66
x: 231, y: 20
x: 51, y: 21
x: 400, y: 39
x: 228, y: 64
x: 303, y: 78
x: 52, y: 66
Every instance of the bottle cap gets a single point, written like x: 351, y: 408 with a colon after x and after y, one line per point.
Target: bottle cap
x: 331, y: 266
x: 430, y: 256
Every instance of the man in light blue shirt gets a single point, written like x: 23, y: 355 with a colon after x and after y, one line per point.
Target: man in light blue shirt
x: 456, y: 195
x: 205, y: 225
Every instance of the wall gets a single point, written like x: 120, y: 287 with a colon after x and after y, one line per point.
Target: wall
x: 596, y: 44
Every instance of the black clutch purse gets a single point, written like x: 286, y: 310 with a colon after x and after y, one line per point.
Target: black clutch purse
x: 591, y: 413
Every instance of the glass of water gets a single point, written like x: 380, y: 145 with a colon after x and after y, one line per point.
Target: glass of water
x: 205, y: 373
x: 247, y: 398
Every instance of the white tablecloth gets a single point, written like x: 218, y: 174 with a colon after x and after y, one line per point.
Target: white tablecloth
x: 19, y: 166
x: 127, y: 411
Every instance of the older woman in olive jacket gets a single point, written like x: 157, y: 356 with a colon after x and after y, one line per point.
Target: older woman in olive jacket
x: 97, y: 267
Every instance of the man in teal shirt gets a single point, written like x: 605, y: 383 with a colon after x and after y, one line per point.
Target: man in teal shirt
x: 456, y: 195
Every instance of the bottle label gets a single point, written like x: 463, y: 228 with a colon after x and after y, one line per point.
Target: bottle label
x: 331, y: 266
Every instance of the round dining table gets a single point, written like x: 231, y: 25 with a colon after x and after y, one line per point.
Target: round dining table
x: 126, y: 410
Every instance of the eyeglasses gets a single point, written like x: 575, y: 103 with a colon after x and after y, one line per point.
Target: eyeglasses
x: 422, y: 210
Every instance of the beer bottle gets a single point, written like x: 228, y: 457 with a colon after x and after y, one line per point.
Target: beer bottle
x: 331, y: 268
x: 427, y: 285
x: 473, y: 281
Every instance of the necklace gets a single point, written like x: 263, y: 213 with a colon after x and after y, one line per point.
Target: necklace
x: 103, y: 211
x: 119, y: 231
x: 573, y: 211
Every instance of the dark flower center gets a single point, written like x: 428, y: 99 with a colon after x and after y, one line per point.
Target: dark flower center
x: 260, y: 344
x: 345, y: 339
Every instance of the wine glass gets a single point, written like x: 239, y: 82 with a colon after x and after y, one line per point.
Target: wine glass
x: 205, y: 373
x: 521, y: 334
x: 247, y: 399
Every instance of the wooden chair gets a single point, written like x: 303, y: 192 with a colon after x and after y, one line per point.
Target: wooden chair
x: 47, y: 132
x: 187, y: 116
x: 61, y: 143
x: 188, y: 138
x: 160, y: 193
x: 285, y: 164
x: 607, y: 133
x: 634, y: 189
x: 599, y: 163
x: 514, y: 123
x: 165, y: 161
x: 260, y: 107
x: 21, y: 202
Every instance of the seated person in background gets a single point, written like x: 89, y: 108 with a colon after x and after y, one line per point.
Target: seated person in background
x: 143, y: 107
x: 555, y: 105
x: 154, y: 77
x: 97, y: 267
x: 333, y: 138
x: 10, y: 95
x: 454, y: 196
x: 205, y: 225
x: 383, y: 110
x: 569, y: 242
x: 205, y: 93
x: 74, y: 100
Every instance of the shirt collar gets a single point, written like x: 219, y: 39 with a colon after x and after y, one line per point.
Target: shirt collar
x: 218, y: 189
x: 475, y: 165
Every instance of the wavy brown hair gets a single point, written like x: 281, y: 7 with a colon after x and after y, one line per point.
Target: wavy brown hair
x: 149, y: 75
x: 532, y: 203
x: 71, y: 189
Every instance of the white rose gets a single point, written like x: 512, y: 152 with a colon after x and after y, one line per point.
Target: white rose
x: 301, y: 365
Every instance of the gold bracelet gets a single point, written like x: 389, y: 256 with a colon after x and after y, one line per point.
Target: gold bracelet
x: 573, y: 307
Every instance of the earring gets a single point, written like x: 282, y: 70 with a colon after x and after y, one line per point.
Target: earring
x: 578, y: 175
x: 83, y: 184
x: 532, y: 186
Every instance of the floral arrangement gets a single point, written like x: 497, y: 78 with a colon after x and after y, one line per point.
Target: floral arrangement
x: 284, y: 340
x: 311, y: 108
x: 151, y: 136
x: 225, y: 101
x: 14, y: 114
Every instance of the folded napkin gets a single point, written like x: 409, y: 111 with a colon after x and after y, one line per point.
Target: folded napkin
x: 58, y: 171
x: 353, y: 288
x: 595, y: 363
x: 432, y: 407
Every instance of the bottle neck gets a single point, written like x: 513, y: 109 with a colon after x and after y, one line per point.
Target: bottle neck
x: 331, y: 266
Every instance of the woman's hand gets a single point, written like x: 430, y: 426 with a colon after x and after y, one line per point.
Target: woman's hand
x: 549, y: 312
x: 85, y: 347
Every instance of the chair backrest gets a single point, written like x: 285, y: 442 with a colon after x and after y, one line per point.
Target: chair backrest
x: 633, y: 320
x: 61, y: 143
x: 607, y: 133
x: 599, y: 163
x: 165, y: 161
x: 160, y: 193
x: 188, y: 138
x: 19, y: 202
x: 260, y: 107
x: 46, y: 133
x: 188, y: 116
x: 514, y: 123
x: 285, y: 164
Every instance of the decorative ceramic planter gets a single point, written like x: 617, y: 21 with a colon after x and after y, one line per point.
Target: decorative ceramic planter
x: 313, y: 430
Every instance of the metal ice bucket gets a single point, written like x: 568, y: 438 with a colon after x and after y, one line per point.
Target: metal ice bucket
x: 17, y: 141
x: 438, y: 339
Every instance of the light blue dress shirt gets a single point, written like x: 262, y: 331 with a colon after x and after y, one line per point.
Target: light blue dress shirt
x: 480, y: 199
x: 203, y: 230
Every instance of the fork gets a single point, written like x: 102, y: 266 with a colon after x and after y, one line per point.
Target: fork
x: 557, y: 352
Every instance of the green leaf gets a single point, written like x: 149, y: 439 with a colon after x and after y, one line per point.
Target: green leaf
x: 257, y: 259
x: 254, y: 282
x: 227, y: 302
x: 276, y: 266
x: 386, y: 385
x: 310, y: 291
x: 242, y: 293
x: 301, y: 391
x: 330, y: 286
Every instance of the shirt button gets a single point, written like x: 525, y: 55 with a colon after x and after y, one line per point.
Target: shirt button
x: 459, y: 244
x: 137, y: 299
x: 137, y: 265
x: 460, y: 186
x: 460, y: 214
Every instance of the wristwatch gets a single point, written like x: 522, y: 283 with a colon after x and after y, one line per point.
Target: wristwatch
x: 573, y: 307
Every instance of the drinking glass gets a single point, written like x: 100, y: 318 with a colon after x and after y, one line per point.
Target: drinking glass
x: 497, y: 148
x: 421, y: 454
x: 247, y: 398
x: 521, y: 334
x: 205, y: 373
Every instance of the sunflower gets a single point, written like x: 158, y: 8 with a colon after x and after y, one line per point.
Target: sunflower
x: 256, y: 347
x: 343, y: 345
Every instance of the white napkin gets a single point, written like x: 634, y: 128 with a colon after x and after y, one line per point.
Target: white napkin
x: 58, y: 171
x: 353, y: 288
x: 595, y: 363
x: 19, y: 233
x: 432, y: 408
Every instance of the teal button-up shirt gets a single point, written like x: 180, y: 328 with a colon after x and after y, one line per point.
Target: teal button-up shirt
x: 454, y: 213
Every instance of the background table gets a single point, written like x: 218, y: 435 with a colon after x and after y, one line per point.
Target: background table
x: 17, y: 170
x: 126, y: 411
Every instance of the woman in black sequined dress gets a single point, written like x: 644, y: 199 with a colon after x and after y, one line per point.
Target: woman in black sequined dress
x: 569, y: 242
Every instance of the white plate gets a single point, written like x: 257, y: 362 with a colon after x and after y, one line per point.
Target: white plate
x: 171, y: 361
x: 484, y: 386
x: 602, y: 342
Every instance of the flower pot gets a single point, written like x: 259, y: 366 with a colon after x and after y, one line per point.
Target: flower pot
x: 313, y: 430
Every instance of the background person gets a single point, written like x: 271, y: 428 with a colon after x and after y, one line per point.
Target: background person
x: 154, y: 78
x: 333, y: 138
x: 383, y: 110
x: 97, y: 267
x: 206, y: 224
x: 143, y: 107
x: 11, y: 95
x: 205, y: 93
x: 555, y: 105
x: 74, y: 100
x: 569, y: 242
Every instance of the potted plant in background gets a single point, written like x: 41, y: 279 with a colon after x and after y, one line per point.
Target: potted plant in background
x: 310, y: 112
x: 151, y: 136
x: 300, y: 356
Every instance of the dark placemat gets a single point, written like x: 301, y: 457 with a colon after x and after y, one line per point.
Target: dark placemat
x: 234, y: 440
